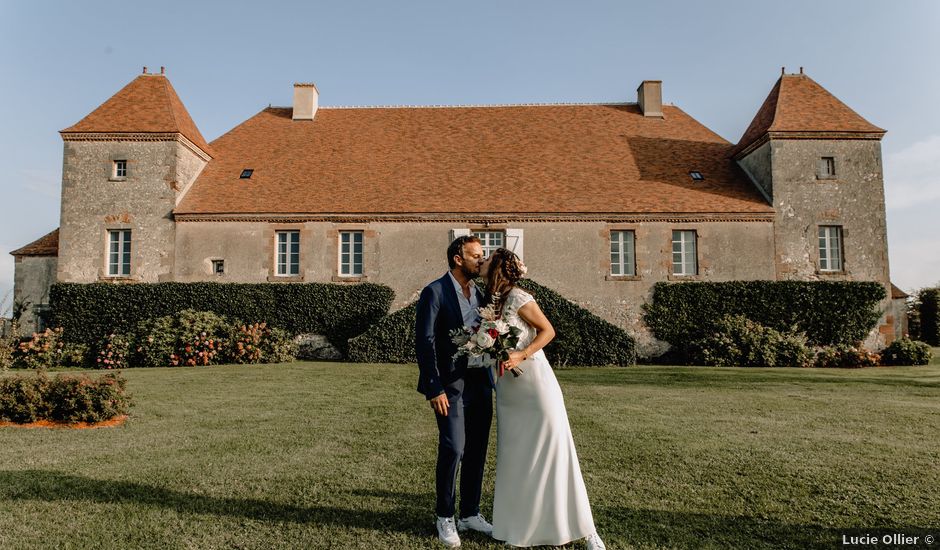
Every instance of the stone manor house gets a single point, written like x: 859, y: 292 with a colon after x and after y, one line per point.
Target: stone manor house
x: 601, y: 200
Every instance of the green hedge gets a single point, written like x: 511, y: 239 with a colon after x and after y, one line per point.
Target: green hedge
x: 88, y: 312
x: 930, y: 316
x: 391, y: 340
x: 25, y: 399
x: 582, y: 338
x: 827, y: 312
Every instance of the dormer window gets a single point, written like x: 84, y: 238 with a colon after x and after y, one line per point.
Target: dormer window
x: 827, y: 168
x: 696, y: 176
x: 120, y: 169
x: 246, y: 173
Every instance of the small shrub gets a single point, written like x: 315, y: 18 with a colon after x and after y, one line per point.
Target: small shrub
x: 738, y: 341
x: 8, y: 345
x: 82, y: 399
x: 44, y: 350
x: 259, y: 343
x: 201, y: 350
x: 246, y: 346
x: 113, y: 352
x: 22, y: 398
x: 845, y: 356
x: 75, y: 356
x: 189, y: 338
x: 929, y: 299
x: 277, y: 346
x: 906, y: 352
x: 155, y: 342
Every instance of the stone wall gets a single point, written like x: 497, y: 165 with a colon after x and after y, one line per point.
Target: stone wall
x: 804, y: 201
x: 32, y: 278
x: 94, y: 202
x: 571, y: 258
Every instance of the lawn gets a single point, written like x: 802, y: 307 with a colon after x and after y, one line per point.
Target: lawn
x: 318, y: 455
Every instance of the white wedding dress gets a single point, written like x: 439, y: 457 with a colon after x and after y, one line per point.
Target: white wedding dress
x: 540, y: 498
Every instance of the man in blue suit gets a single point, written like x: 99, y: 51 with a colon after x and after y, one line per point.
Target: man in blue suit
x: 460, y: 391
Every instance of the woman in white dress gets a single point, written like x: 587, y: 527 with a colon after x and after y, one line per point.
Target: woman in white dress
x: 540, y: 498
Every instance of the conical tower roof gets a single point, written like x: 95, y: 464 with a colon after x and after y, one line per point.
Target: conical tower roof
x: 148, y: 104
x: 797, y: 106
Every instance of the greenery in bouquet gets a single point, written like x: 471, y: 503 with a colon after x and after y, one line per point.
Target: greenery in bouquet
x: 493, y: 338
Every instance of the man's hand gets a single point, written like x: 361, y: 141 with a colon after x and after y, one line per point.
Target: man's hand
x: 440, y: 404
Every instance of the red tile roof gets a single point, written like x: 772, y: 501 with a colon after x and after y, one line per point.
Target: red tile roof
x: 798, y: 104
x: 897, y: 292
x: 47, y: 245
x: 148, y: 104
x: 495, y: 159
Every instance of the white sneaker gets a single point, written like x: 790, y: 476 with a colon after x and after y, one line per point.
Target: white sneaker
x: 594, y: 542
x: 447, y: 532
x: 476, y: 523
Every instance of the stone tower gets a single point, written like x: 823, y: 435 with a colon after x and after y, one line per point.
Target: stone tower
x: 818, y: 163
x: 125, y: 167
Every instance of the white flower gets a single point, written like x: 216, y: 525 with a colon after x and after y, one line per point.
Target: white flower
x: 488, y: 313
x: 501, y: 326
x: 484, y: 340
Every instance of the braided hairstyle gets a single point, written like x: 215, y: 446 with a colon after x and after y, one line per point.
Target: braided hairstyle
x: 505, y: 271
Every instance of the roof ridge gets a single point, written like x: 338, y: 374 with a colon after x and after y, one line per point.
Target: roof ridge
x: 169, y: 103
x: 777, y: 103
x: 470, y: 105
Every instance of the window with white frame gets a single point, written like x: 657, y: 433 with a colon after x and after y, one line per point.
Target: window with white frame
x: 288, y: 253
x: 684, y: 259
x: 119, y: 253
x: 622, y: 253
x: 830, y: 248
x: 120, y: 169
x: 350, y: 253
x: 218, y: 267
x: 490, y: 240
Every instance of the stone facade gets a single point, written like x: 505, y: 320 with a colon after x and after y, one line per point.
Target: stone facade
x: 788, y: 171
x: 95, y: 201
x: 572, y: 258
x: 32, y: 278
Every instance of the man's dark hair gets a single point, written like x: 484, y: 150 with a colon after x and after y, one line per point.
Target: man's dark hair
x: 456, y: 248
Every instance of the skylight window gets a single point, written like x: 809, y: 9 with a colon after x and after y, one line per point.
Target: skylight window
x: 696, y: 176
x: 246, y: 173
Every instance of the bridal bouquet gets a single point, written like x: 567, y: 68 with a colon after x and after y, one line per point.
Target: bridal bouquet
x: 493, y: 338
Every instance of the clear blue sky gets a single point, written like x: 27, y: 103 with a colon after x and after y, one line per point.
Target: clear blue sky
x: 717, y: 60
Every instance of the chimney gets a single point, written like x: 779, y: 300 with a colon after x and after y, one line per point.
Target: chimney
x: 650, y: 98
x: 306, y: 100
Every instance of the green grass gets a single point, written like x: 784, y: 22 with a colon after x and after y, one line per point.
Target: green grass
x: 317, y: 455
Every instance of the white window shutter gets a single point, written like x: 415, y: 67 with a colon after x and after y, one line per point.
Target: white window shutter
x: 514, y: 242
x: 454, y: 233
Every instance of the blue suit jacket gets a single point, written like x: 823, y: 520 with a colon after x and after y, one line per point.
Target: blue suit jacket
x: 437, y: 314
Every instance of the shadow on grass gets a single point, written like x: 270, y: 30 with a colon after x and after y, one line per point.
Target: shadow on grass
x: 407, y: 513
x: 665, y: 529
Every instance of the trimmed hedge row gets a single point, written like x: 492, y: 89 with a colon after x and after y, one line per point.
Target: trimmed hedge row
x: 25, y: 399
x: 930, y: 316
x: 391, y: 340
x: 582, y: 337
x: 827, y: 312
x: 89, y: 312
